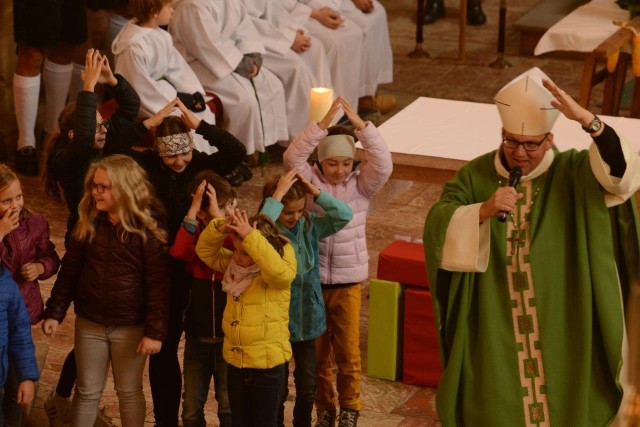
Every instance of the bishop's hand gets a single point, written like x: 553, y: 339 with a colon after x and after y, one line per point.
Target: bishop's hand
x: 504, y: 199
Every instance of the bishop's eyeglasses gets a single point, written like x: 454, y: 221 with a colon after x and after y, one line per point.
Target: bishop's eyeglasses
x: 527, y: 145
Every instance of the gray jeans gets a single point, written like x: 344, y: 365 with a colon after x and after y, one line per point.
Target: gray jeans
x: 96, y: 347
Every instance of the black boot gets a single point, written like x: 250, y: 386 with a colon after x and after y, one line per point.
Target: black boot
x: 475, y: 15
x: 434, y: 11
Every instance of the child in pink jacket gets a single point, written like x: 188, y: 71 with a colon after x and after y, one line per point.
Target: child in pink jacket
x: 344, y: 261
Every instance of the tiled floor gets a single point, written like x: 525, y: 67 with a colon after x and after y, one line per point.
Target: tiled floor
x: 398, y: 211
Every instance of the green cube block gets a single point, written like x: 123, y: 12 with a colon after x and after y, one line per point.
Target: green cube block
x: 384, y: 346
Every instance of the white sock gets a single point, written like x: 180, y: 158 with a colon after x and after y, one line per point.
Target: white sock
x: 76, y: 81
x: 57, y: 78
x: 26, y: 91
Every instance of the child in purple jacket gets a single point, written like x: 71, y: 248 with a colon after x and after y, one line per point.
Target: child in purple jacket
x: 27, y: 252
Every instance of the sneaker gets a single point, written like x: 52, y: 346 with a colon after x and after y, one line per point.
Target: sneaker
x: 326, y: 419
x: 58, y: 410
x: 348, y: 418
x: 382, y: 103
x: 27, y: 161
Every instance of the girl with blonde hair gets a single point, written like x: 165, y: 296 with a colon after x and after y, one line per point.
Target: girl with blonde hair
x: 115, y: 272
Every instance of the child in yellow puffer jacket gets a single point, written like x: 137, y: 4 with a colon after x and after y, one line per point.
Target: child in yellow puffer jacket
x: 257, y: 279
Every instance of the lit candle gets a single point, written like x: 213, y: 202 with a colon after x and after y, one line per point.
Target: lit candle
x: 321, y: 100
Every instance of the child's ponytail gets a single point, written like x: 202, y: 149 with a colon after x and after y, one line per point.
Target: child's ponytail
x: 270, y: 231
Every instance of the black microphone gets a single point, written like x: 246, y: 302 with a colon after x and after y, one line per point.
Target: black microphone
x: 514, y: 180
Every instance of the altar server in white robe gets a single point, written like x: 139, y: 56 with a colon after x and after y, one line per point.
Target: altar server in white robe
x: 377, y: 57
x: 342, y: 40
x: 297, y: 58
x: 147, y: 59
x: 219, y: 41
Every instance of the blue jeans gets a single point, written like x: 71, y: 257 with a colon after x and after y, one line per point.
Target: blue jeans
x: 304, y: 375
x: 202, y: 361
x: 254, y: 395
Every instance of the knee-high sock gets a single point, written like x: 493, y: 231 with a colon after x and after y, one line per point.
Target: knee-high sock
x: 76, y: 81
x: 26, y: 91
x: 57, y: 78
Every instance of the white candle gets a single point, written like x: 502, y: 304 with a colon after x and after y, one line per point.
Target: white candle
x: 321, y: 100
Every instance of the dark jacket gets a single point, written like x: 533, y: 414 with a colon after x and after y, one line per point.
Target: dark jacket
x: 30, y: 242
x: 206, y: 303
x: 16, y: 344
x: 171, y: 187
x: 115, y: 280
x: 71, y: 159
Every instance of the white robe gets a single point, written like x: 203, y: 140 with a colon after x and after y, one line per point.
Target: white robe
x: 297, y: 72
x: 213, y: 36
x: 147, y: 59
x: 377, y: 57
x: 343, y: 48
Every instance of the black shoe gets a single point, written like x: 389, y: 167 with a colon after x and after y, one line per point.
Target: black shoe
x: 27, y: 161
x: 244, y: 170
x: 475, y: 15
x: 434, y: 11
x: 234, y: 178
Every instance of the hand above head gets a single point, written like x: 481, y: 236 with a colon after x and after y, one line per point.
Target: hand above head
x: 239, y: 222
x: 9, y: 222
x: 188, y: 117
x: 214, y: 209
x: 365, y: 6
x: 504, y: 199
x: 196, y: 201
x: 149, y: 346
x: 352, y: 114
x: 284, y: 184
x: 157, y: 118
x: 328, y: 17
x: 50, y: 326
x: 92, y: 69
x: 567, y: 105
x: 309, y: 187
x: 106, y: 74
x: 328, y: 118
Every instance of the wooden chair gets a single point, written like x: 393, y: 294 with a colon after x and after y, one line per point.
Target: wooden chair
x: 419, y: 52
x: 613, y: 81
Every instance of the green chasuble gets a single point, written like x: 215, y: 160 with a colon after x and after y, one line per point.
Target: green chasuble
x: 536, y: 340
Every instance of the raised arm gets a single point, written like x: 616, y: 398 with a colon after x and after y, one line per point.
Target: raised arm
x: 209, y: 247
x: 614, y: 163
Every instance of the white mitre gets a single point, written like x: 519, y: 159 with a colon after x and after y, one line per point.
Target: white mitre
x: 525, y: 105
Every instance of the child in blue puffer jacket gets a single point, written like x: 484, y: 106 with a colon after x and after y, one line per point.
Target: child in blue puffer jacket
x: 284, y: 202
x: 15, y: 341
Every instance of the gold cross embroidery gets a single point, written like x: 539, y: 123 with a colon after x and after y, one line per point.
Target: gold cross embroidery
x: 515, y: 241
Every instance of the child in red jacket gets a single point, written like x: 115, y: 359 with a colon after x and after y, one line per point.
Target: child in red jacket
x: 203, y: 319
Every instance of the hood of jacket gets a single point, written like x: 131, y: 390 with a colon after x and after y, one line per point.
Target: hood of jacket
x: 131, y: 34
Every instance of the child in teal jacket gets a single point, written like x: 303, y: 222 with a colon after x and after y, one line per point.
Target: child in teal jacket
x: 285, y: 200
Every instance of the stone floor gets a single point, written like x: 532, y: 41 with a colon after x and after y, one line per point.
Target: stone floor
x: 398, y: 211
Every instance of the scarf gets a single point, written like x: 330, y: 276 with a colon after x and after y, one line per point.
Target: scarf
x: 237, y: 279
